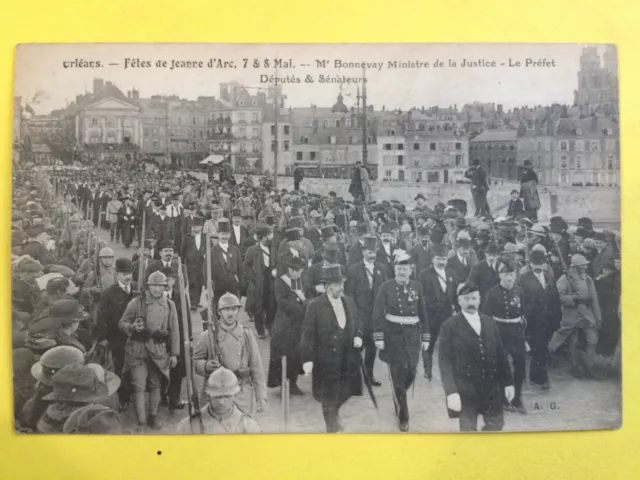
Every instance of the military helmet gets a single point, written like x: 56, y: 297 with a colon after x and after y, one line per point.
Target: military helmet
x: 106, y: 252
x: 53, y: 360
x: 222, y: 383
x: 228, y: 300
x: 157, y: 278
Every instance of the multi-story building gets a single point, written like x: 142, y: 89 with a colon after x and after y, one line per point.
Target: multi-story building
x: 497, y: 152
x: 107, y: 123
x: 597, y: 83
x: 328, y: 142
x: 437, y: 146
x: 154, y: 116
x: 586, y: 151
x: 284, y: 143
x: 536, y: 145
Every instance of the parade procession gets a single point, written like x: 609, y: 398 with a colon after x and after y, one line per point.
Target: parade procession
x: 163, y: 301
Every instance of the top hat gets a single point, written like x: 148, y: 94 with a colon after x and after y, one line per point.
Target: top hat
x: 332, y: 274
x: 224, y: 227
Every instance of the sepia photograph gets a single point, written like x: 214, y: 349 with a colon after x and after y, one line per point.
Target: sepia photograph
x: 315, y: 238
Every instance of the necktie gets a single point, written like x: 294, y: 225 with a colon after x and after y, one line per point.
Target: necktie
x: 369, y: 270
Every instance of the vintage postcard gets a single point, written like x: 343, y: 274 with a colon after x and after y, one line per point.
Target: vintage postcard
x: 231, y: 238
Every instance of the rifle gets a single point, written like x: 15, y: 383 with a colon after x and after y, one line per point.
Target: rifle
x: 193, y: 400
x: 565, y: 269
x: 97, y: 251
x: 141, y: 312
x: 210, y: 301
x: 285, y: 395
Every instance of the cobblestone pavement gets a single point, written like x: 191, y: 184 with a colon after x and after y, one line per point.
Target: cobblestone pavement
x: 570, y: 404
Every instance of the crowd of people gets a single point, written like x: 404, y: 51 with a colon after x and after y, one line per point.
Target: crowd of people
x: 332, y: 285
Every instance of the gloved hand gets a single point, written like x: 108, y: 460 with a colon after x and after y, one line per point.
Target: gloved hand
x: 454, y: 403
x: 138, y: 325
x: 307, y: 367
x: 509, y: 393
x: 357, y: 342
x: 320, y: 289
x: 173, y: 361
x: 425, y: 346
x: 211, y: 366
x: 380, y: 344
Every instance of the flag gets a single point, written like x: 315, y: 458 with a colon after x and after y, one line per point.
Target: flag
x: 29, y: 109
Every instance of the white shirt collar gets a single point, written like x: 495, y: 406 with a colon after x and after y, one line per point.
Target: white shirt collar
x: 462, y: 259
x: 124, y: 287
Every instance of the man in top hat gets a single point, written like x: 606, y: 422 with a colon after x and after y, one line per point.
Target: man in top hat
x: 331, y: 337
x: 401, y: 330
x: 438, y: 287
x: 504, y: 303
x: 355, y: 252
x: 220, y: 414
x: 542, y: 310
x: 364, y: 280
x: 580, y: 315
x: 474, y: 367
x: 484, y: 274
x: 113, y: 303
x: 227, y: 273
x: 153, y: 346
x: 38, y: 245
x: 421, y: 251
x: 194, y: 253
x: 306, y: 247
x: 239, y: 232
x: 260, y: 264
x: 312, y: 276
x: 232, y: 345
x: 329, y: 236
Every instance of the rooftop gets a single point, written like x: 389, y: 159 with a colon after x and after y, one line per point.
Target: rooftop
x: 496, y: 136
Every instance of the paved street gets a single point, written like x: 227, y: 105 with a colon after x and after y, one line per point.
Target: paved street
x: 571, y: 404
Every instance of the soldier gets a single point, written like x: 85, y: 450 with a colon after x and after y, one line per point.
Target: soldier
x: 99, y: 279
x: 221, y: 415
x: 113, y: 303
x: 504, y: 303
x: 438, y: 287
x: 331, y: 335
x: 473, y: 365
x: 364, y: 280
x: 401, y: 331
x: 580, y: 314
x: 152, y: 348
x: 233, y: 346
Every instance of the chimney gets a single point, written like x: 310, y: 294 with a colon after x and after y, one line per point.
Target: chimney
x: 98, y: 84
x: 109, y: 84
x: 135, y: 95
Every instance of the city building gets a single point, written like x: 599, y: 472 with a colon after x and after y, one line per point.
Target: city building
x: 284, y: 143
x: 586, y: 152
x: 535, y: 143
x: 437, y: 145
x: 392, y: 152
x: 107, y: 123
x: 497, y: 152
x: 327, y: 142
x: 598, y: 81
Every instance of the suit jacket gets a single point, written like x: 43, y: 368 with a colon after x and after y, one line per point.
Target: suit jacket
x: 364, y: 294
x: 162, y: 229
x: 477, y: 375
x: 227, y: 275
x: 355, y: 254
x: 421, y: 257
x: 439, y: 304
x: 336, y: 366
x: 484, y: 277
x: 459, y: 271
x: 315, y: 236
x: 193, y: 257
x: 113, y: 303
x: 254, y: 269
x: 244, y: 234
x: 386, y: 260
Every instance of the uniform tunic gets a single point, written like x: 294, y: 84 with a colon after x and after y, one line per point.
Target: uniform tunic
x: 236, y: 350
x: 402, y: 342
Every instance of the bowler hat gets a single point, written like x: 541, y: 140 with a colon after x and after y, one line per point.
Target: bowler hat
x: 439, y: 250
x: 292, y: 234
x: 169, y: 271
x: 466, y: 288
x: 537, y: 257
x: 124, y: 265
x: 332, y: 274
x: 166, y: 243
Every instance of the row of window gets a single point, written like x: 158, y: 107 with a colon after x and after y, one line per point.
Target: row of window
x: 332, y: 140
x: 328, y: 156
x: 286, y: 129
x: 491, y: 146
x: 111, y: 122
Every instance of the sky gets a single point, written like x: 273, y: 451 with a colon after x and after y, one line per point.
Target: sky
x: 43, y: 81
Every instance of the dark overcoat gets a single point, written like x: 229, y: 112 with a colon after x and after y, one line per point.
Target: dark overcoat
x: 477, y: 375
x: 312, y: 277
x: 255, y: 270
x: 357, y: 287
x: 287, y: 325
x: 484, y: 277
x: 320, y: 344
x: 227, y: 275
x: 439, y: 303
x: 113, y: 303
x: 194, y: 258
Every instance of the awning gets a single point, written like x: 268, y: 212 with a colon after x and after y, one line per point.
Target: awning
x: 213, y: 160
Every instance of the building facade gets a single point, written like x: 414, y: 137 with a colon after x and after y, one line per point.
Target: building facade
x: 284, y: 145
x: 496, y: 150
x: 437, y: 146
